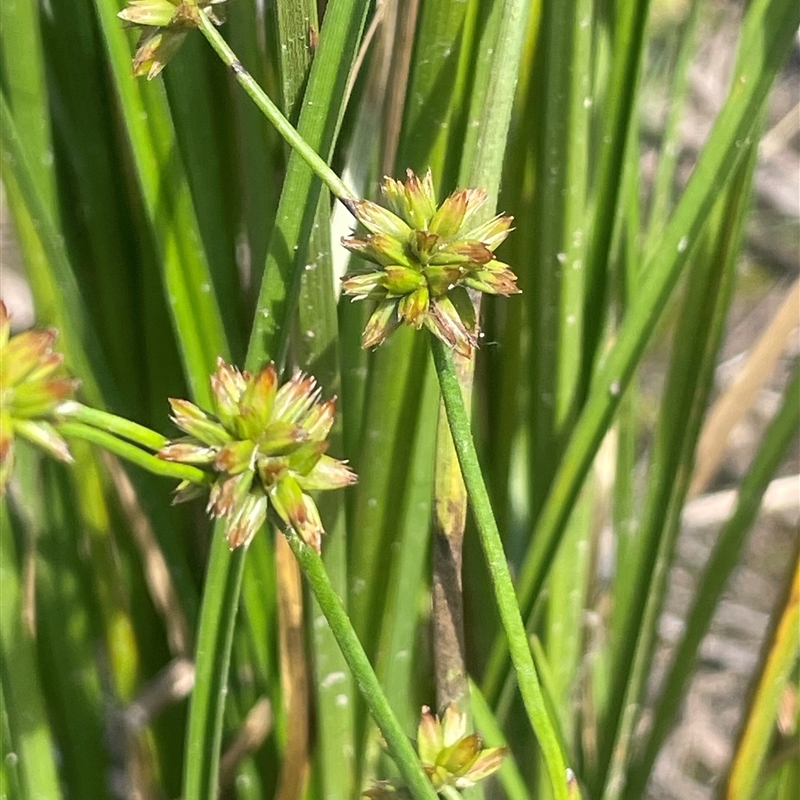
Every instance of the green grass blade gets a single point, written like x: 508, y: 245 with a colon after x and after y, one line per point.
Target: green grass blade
x: 697, y: 341
x: 721, y: 564
x: 765, y: 42
x: 68, y: 630
x: 187, y: 282
x: 317, y: 352
x: 780, y: 658
x: 265, y: 157
x: 200, y: 98
x: 94, y: 219
x: 408, y: 575
x: 619, y: 101
x: 436, y: 81
x: 30, y: 740
x: 499, y: 48
x: 212, y: 657
x: 54, y: 285
x: 669, y: 151
x: 391, y: 409
x: 24, y: 86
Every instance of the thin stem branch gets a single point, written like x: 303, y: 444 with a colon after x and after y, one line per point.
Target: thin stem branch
x: 274, y: 115
x: 341, y: 627
x: 132, y: 453
x: 498, y: 567
x: 119, y: 426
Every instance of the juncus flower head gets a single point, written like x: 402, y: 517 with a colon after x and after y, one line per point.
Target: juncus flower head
x: 450, y: 756
x: 426, y: 258
x: 164, y: 25
x: 32, y: 386
x: 266, y: 445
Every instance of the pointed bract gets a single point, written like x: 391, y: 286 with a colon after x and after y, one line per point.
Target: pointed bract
x: 246, y: 520
x: 164, y: 25
x: 485, y: 764
x: 255, y: 406
x: 153, y: 13
x: 454, y: 725
x: 187, y: 451
x: 382, y: 322
x: 44, y: 435
x: 194, y: 421
x: 379, y: 248
x: 445, y: 322
x: 364, y: 284
x: 497, y: 278
x: 328, y: 473
x: 155, y: 48
x: 430, y: 738
x: 5, y: 325
x: 379, y: 220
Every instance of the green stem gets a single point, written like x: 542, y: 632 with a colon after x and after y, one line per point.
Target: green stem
x: 274, y: 115
x: 212, y: 658
x: 119, y: 426
x: 130, y: 452
x: 341, y: 627
x: 498, y: 567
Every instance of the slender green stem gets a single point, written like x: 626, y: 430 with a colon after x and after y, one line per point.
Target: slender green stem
x: 274, y: 115
x: 132, y: 453
x: 341, y: 627
x: 119, y: 426
x: 498, y: 568
x: 212, y: 658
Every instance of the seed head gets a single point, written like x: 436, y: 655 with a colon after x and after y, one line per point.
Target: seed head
x: 449, y: 755
x: 266, y: 444
x: 32, y: 386
x: 427, y: 257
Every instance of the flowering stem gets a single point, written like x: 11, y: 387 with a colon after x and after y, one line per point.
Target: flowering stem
x: 132, y: 453
x: 498, y: 567
x: 132, y: 431
x: 342, y: 629
x: 274, y: 115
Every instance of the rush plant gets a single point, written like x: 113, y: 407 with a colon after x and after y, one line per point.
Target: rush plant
x: 195, y: 210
